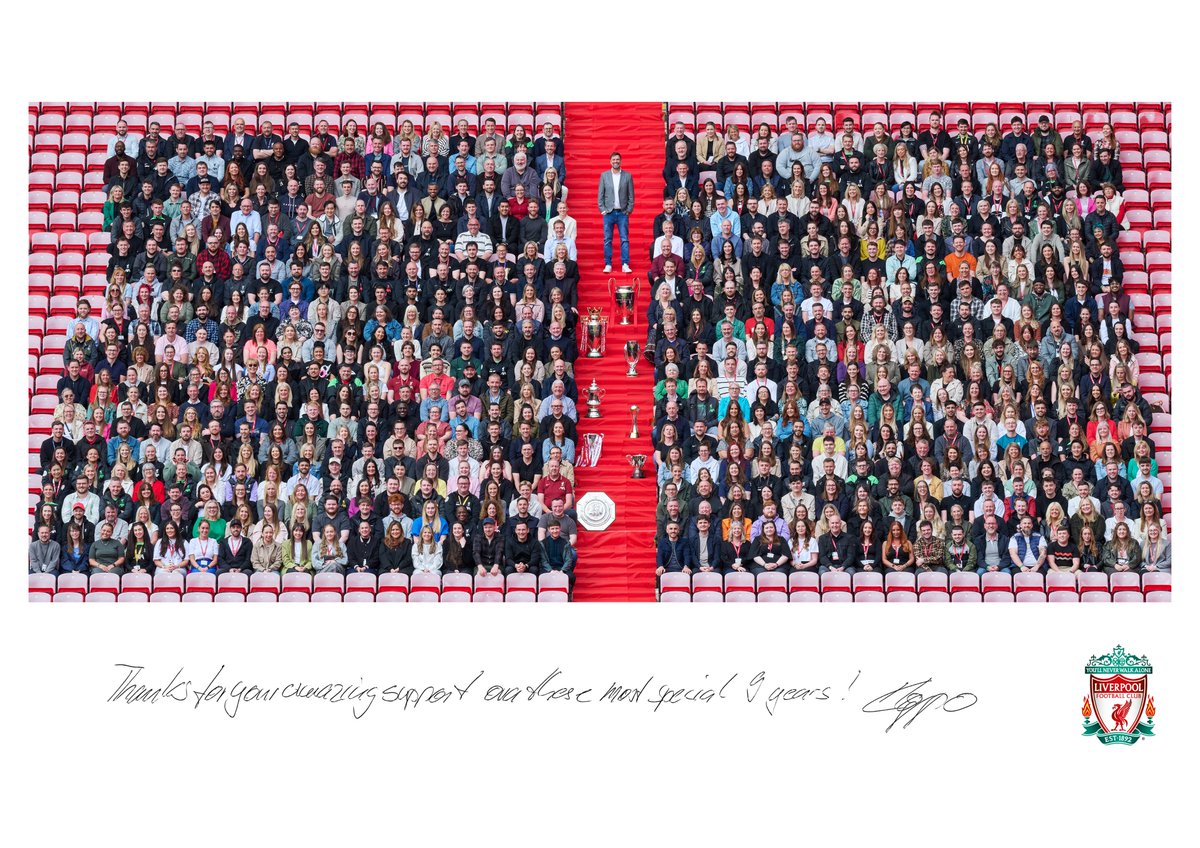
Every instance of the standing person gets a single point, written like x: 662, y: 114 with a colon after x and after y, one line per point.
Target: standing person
x: 616, y: 205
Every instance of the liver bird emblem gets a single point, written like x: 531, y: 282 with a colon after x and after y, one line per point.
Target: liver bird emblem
x: 1119, y: 714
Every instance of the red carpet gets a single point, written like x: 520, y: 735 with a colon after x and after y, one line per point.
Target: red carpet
x: 618, y: 563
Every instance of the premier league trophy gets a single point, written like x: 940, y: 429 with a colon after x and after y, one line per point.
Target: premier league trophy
x: 594, y: 396
x: 632, y: 349
x: 597, y: 332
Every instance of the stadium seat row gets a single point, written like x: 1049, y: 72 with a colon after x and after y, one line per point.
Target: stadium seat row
x: 301, y: 597
x: 308, y: 584
x: 876, y: 596
x: 79, y: 132
x: 874, y: 581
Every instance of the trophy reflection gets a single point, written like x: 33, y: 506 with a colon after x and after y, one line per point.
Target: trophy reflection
x: 637, y: 460
x: 632, y: 349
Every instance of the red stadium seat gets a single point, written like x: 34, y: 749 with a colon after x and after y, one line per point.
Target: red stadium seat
x: 297, y: 581
x: 932, y: 581
x: 803, y: 583
x: 669, y: 584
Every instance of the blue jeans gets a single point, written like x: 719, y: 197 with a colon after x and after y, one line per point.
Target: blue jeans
x: 621, y: 220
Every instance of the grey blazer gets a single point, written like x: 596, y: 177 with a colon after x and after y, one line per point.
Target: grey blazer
x: 607, y: 202
x: 1164, y: 556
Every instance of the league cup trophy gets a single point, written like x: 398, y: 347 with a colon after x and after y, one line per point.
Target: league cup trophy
x: 594, y: 396
x: 633, y: 431
x: 592, y: 443
x: 624, y: 297
x: 632, y: 349
x: 637, y: 460
x: 597, y: 332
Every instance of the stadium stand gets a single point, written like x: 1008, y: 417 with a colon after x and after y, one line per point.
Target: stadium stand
x: 928, y: 342
x: 301, y: 352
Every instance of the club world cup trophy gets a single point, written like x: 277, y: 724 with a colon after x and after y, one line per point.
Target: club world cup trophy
x: 624, y: 295
x: 633, y: 431
x: 597, y: 332
x: 594, y: 395
x: 632, y: 349
x: 637, y: 460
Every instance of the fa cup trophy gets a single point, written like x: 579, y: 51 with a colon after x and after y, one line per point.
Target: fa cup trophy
x: 594, y: 395
x: 637, y: 460
x: 597, y: 332
x: 632, y: 349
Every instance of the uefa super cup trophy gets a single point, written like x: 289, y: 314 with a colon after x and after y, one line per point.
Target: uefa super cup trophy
x: 632, y: 349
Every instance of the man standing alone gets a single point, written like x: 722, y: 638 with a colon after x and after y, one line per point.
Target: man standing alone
x: 616, y: 204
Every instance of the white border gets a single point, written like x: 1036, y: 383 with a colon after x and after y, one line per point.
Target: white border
x: 1012, y: 768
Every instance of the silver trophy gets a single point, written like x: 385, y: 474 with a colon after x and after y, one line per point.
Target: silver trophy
x: 632, y: 349
x: 637, y: 460
x: 592, y: 443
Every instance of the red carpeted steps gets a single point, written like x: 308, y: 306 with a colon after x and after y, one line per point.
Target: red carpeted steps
x: 618, y: 563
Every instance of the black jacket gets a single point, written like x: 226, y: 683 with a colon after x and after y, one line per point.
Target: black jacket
x: 360, y: 552
x: 227, y: 560
x: 844, y: 545
x: 399, y: 557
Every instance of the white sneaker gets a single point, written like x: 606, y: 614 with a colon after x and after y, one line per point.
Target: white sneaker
x: 625, y: 269
x: 607, y: 269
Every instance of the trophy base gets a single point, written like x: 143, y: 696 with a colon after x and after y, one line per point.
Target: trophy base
x: 593, y: 413
x: 631, y: 373
x: 638, y: 474
x: 633, y: 434
x: 624, y: 322
x: 594, y: 354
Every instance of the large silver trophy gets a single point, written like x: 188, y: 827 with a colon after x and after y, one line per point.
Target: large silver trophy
x: 594, y: 395
x: 597, y: 332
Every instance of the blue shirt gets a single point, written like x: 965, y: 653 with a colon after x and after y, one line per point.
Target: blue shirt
x: 115, y: 443
x: 723, y: 407
x: 716, y: 219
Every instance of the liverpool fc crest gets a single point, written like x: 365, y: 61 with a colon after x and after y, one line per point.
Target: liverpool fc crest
x: 1118, y: 709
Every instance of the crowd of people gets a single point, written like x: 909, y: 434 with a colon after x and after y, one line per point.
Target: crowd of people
x: 346, y: 352
x: 897, y: 352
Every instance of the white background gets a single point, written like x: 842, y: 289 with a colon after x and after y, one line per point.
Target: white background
x: 1013, y: 768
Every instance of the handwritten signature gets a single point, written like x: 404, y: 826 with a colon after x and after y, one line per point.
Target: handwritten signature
x: 907, y: 700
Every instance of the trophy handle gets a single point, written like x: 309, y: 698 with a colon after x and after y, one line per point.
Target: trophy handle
x: 611, y: 282
x: 601, y: 392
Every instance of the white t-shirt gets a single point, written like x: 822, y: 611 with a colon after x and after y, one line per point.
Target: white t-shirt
x: 204, y: 550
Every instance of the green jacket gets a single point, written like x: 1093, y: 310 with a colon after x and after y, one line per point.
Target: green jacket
x: 876, y: 404
x: 968, y: 562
